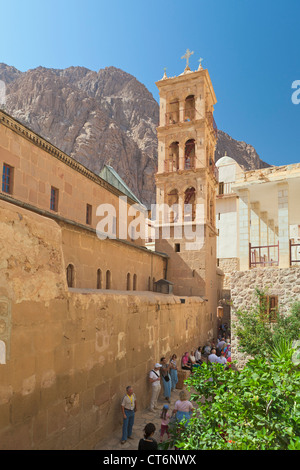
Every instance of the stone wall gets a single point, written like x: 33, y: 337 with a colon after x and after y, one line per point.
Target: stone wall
x: 38, y: 166
x: 87, y: 253
x: 228, y: 265
x: 70, y: 353
x: 285, y: 283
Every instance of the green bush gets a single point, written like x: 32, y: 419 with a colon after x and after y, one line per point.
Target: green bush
x: 256, y: 408
x: 256, y: 336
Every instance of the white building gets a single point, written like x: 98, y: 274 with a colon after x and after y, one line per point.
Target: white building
x: 258, y: 216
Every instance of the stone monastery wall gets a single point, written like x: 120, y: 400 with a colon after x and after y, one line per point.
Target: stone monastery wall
x: 66, y: 355
x: 283, y: 283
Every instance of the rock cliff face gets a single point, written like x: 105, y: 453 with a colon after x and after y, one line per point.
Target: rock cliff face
x: 104, y: 117
x: 243, y: 153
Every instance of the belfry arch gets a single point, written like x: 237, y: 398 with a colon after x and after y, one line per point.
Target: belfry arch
x: 189, y: 154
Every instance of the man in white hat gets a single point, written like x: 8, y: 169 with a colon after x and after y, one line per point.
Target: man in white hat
x: 154, y: 378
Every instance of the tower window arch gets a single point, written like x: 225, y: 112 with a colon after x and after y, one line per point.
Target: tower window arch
x: 172, y: 200
x: 189, y: 108
x: 189, y: 204
x: 172, y: 116
x: 173, y: 157
x: 189, y: 154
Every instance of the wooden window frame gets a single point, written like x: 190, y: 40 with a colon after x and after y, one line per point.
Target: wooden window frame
x: 269, y: 307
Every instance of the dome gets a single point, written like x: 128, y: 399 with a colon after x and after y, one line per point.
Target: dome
x: 225, y: 161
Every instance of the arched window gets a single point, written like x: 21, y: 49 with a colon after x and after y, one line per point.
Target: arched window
x: 108, y: 279
x: 189, y: 154
x: 173, y: 162
x: 134, y: 286
x: 99, y: 279
x: 153, y: 284
x: 70, y: 275
x: 189, y: 108
x: 189, y: 204
x: 149, y: 283
x: 173, y: 200
x: 173, y: 113
x: 128, y: 285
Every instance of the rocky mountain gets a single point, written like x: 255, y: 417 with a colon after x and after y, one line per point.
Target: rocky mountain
x: 243, y: 153
x: 104, y: 117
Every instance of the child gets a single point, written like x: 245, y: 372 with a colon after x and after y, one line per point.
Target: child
x: 165, y: 418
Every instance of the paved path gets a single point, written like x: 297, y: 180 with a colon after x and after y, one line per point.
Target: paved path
x: 142, y: 417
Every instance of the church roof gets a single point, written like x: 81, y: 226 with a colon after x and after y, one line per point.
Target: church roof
x: 112, y: 177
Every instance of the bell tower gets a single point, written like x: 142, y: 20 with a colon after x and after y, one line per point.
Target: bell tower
x: 186, y: 180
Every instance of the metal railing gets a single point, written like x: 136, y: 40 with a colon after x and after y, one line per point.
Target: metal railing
x: 294, y: 252
x: 225, y: 188
x: 261, y: 255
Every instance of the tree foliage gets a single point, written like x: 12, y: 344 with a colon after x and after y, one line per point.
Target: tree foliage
x: 256, y: 336
x: 256, y: 408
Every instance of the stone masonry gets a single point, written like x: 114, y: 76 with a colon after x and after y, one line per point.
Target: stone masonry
x: 285, y: 283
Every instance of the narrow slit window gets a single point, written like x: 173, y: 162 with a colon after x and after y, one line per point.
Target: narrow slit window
x: 88, y: 216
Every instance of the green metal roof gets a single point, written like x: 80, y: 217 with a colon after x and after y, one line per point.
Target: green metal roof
x: 112, y: 177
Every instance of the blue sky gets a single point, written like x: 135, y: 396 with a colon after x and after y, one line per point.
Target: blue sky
x: 250, y: 47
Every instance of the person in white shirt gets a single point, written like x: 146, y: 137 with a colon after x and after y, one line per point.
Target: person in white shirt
x: 198, y: 355
x: 222, y: 359
x: 213, y: 357
x: 154, y: 379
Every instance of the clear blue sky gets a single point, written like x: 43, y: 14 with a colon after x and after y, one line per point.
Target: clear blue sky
x: 250, y: 47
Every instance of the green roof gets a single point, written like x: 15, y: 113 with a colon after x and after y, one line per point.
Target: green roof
x: 112, y: 177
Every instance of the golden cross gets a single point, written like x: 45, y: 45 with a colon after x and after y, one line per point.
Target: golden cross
x: 186, y: 56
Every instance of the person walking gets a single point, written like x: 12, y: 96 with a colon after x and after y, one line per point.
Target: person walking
x: 166, y: 379
x: 165, y: 418
x: 128, y: 407
x: 173, y: 372
x: 154, y: 379
x: 183, y: 408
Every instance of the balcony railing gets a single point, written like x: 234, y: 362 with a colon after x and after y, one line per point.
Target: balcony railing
x: 263, y: 255
x: 170, y: 166
x: 172, y: 117
x: 294, y: 253
x: 225, y: 188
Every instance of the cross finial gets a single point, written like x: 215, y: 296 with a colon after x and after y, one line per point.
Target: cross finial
x: 200, y: 65
x: 186, y: 56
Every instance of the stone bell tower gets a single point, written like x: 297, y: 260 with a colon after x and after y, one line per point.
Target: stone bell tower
x: 187, y: 180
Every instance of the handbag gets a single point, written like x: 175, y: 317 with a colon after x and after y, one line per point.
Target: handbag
x: 166, y: 377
